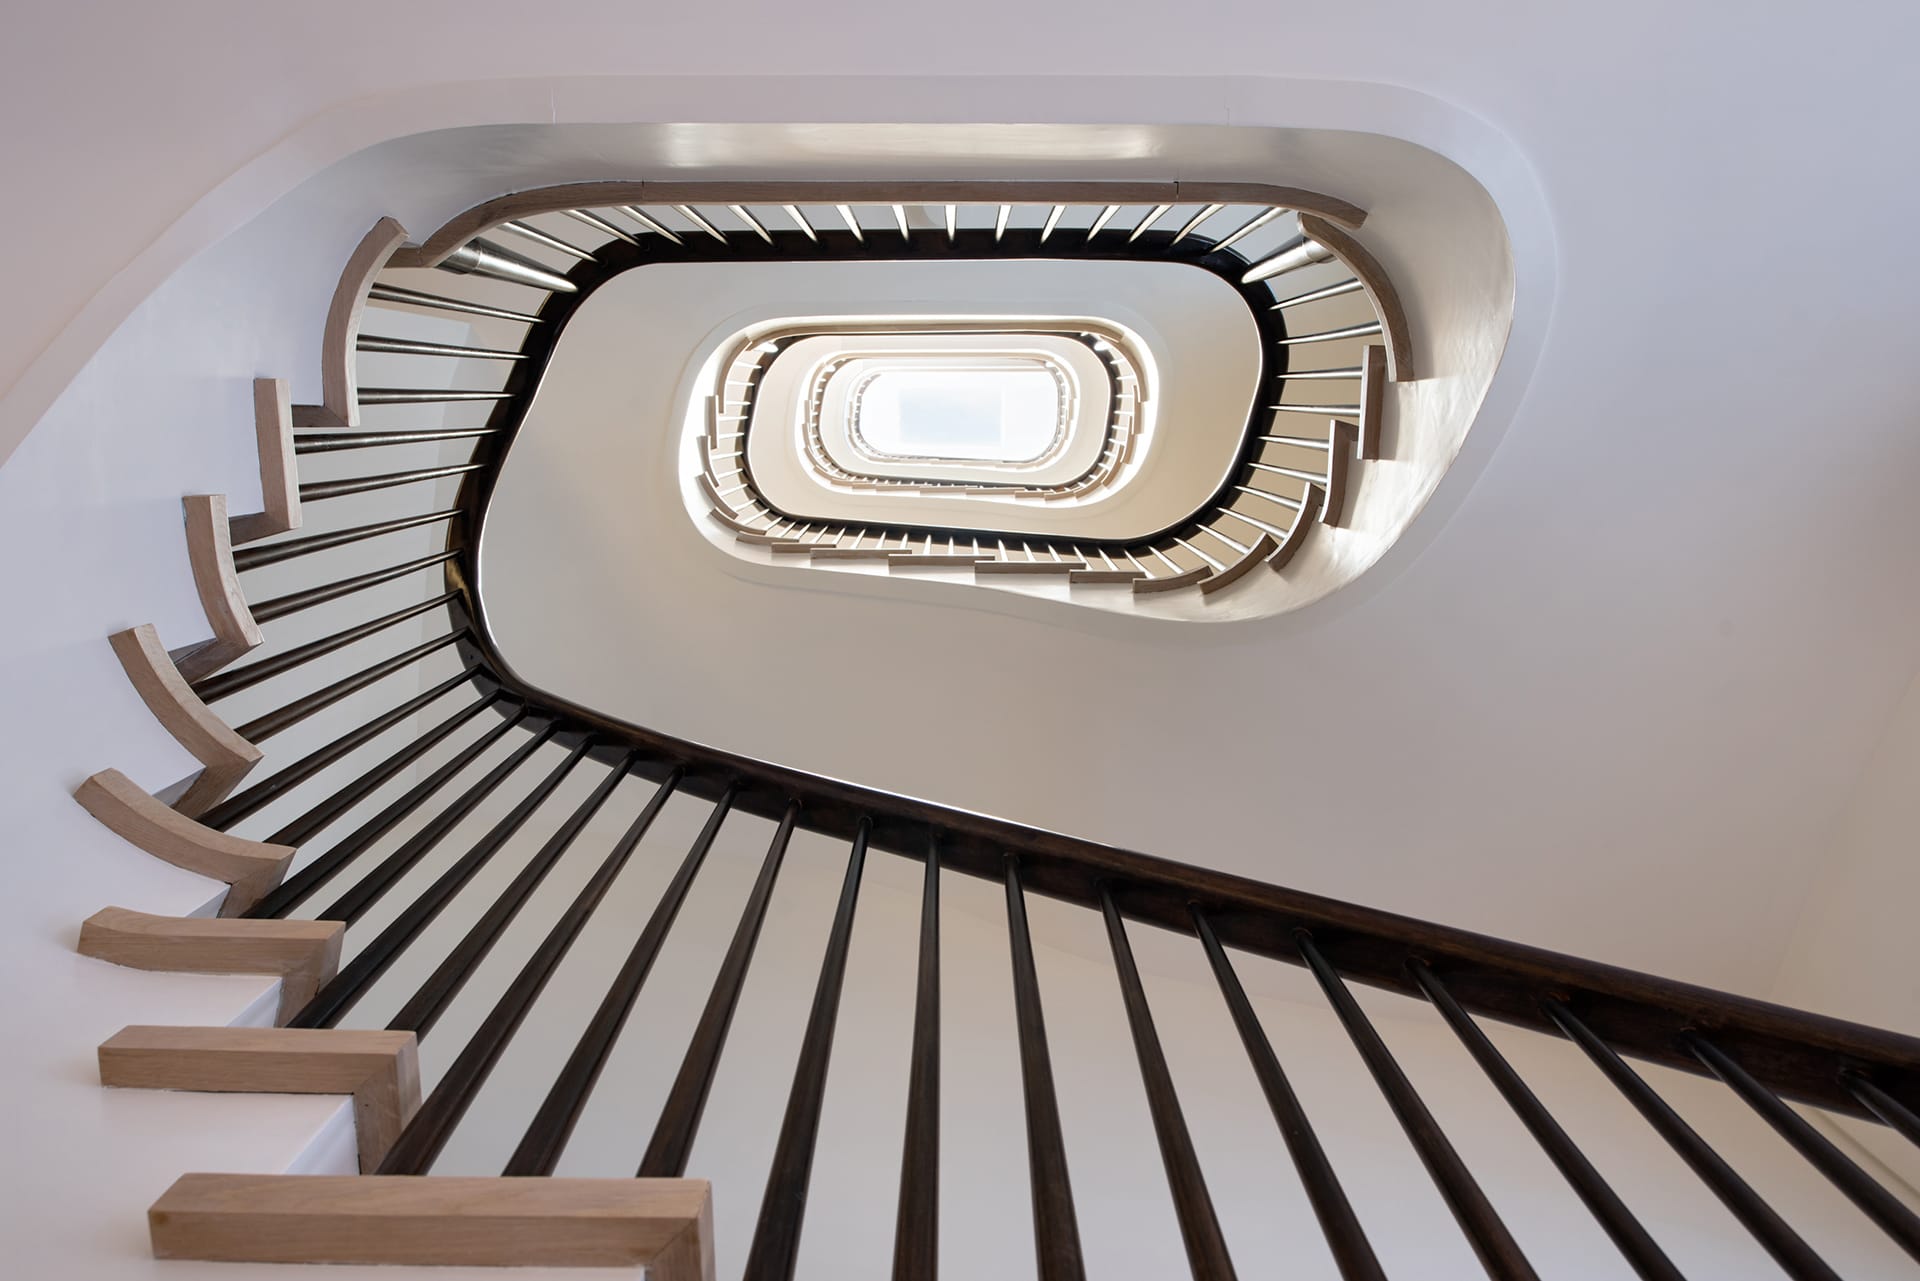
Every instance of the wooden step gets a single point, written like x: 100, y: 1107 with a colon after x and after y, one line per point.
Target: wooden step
x: 226, y: 756
x: 1296, y: 537
x: 1254, y: 556
x: 1172, y: 582
x: 250, y: 868
x: 380, y: 1069
x: 1030, y: 567
x: 935, y: 560
x: 304, y: 954
x: 210, y: 553
x: 279, y: 474
x: 339, y: 387
x: 664, y: 1225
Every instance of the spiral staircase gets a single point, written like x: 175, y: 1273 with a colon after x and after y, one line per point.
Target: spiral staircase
x: 373, y: 817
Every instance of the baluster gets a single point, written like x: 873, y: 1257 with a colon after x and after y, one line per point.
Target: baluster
x: 539, y: 1149
x: 381, y: 292
x: 1860, y: 1188
x: 1338, y: 1223
x: 370, y: 888
x: 776, y: 1239
x: 1647, y: 1258
x: 1056, y: 1234
x: 266, y: 726
x: 301, y: 885
x: 221, y: 684
x: 423, y: 1009
x: 321, y: 490
x: 916, y: 1232
x: 333, y: 1001
x: 293, y: 602
x: 1199, y: 1226
x: 242, y: 804
x: 1498, y: 1252
x: 253, y: 557
x: 1786, y: 1246
x: 672, y: 1143
x: 1891, y: 1111
x: 427, y: 1133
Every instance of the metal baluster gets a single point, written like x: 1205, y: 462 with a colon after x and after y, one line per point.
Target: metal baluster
x: 293, y: 602
x: 297, y: 888
x: 242, y: 804
x: 424, y: 1008
x: 1647, y: 1258
x: 253, y: 557
x: 672, y: 1143
x: 1056, y: 1233
x: 1499, y: 1253
x: 1895, y: 1114
x: 213, y: 688
x: 332, y: 1001
x: 1786, y: 1246
x: 324, y: 489
x: 1338, y: 1223
x: 372, y: 887
x: 776, y: 1239
x: 1199, y: 1227
x: 539, y: 1149
x: 916, y: 1233
x: 427, y: 1133
x: 262, y: 727
x: 1860, y: 1188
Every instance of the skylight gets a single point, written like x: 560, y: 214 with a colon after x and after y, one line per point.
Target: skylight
x: 1003, y: 412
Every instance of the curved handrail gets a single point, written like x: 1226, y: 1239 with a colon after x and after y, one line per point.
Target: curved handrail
x: 487, y: 215
x: 1640, y: 1014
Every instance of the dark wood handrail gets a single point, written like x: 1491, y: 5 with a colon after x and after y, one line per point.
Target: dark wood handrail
x: 1792, y: 1051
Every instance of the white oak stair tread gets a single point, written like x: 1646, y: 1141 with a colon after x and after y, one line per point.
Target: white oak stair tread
x: 1376, y: 285
x: 664, y: 1224
x: 1289, y: 547
x: 1254, y: 556
x: 1373, y: 395
x: 210, y: 553
x: 304, y: 954
x: 1344, y: 444
x: 934, y: 560
x: 1030, y: 566
x: 250, y: 868
x: 1186, y: 578
x: 279, y: 473
x: 380, y: 1069
x: 339, y: 392
x: 227, y: 757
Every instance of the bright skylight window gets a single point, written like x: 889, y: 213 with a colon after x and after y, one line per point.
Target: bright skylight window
x: 1002, y: 413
